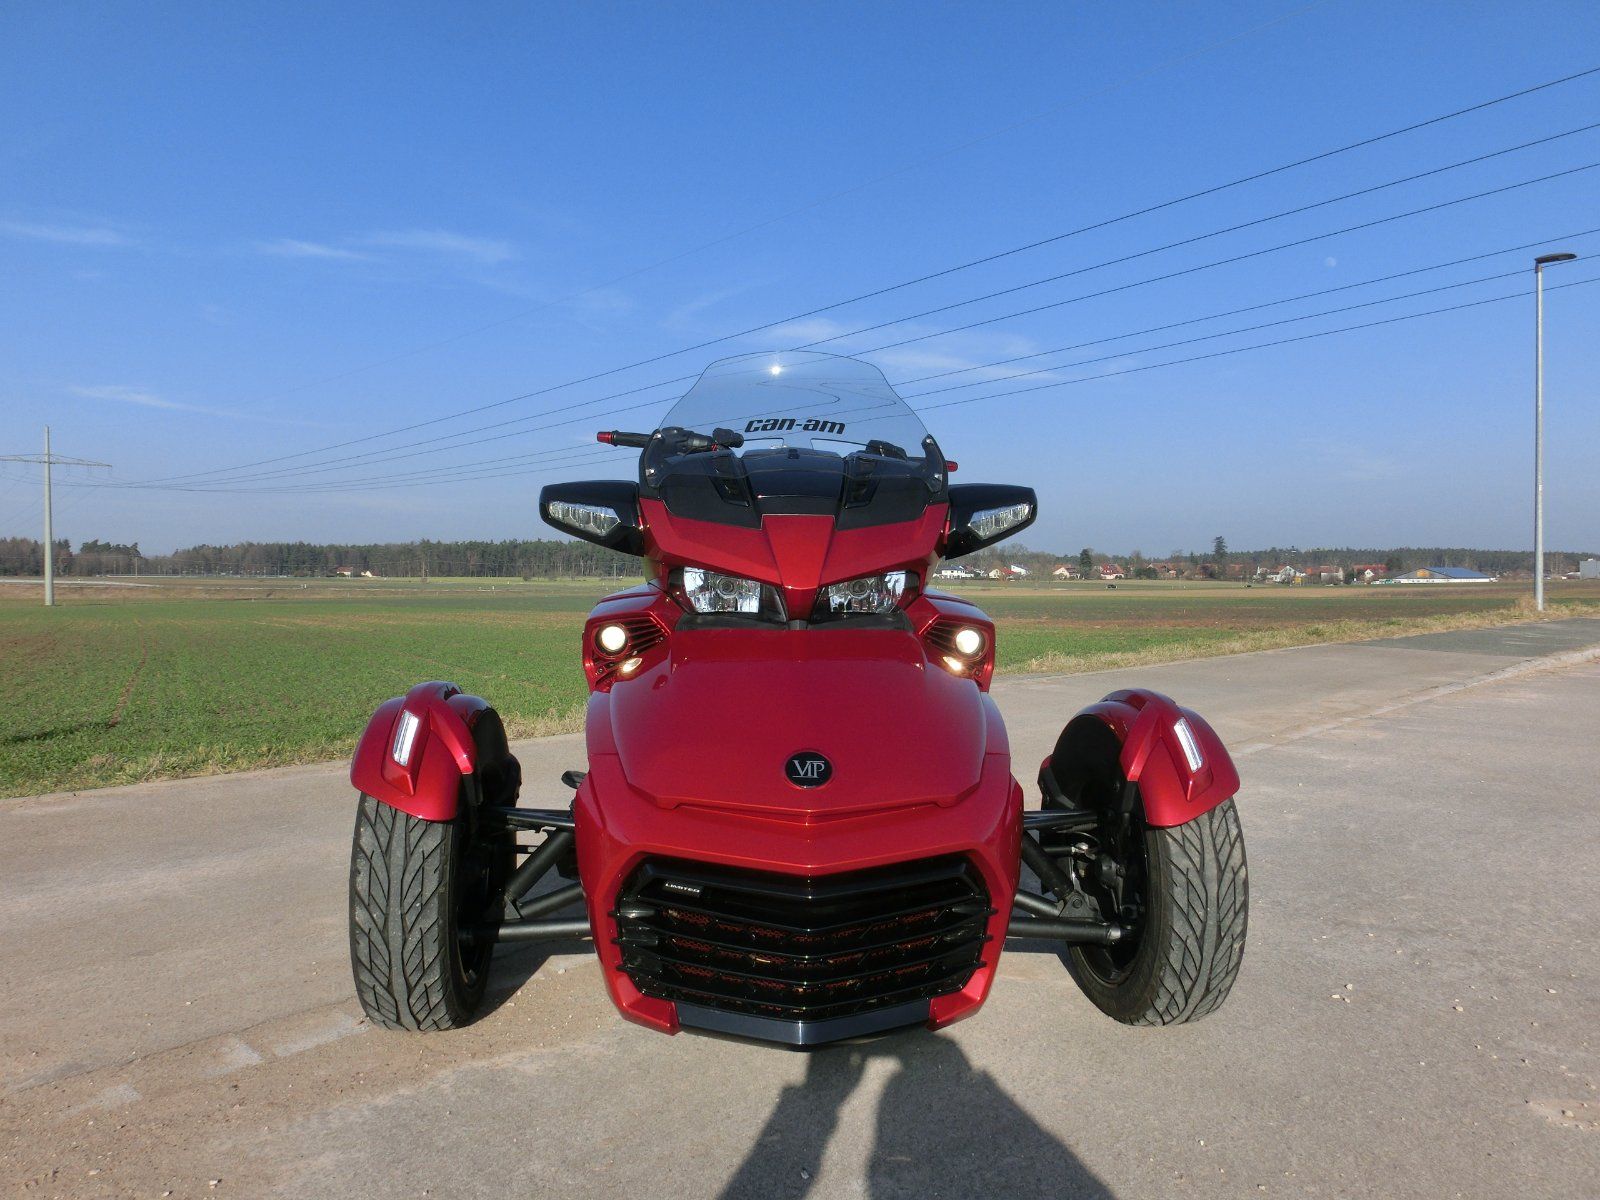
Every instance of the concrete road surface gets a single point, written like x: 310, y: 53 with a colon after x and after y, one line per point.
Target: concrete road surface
x: 1417, y: 1014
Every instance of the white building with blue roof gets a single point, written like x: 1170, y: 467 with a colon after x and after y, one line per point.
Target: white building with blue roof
x: 1441, y: 575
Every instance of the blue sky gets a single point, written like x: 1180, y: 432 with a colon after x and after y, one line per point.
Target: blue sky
x: 231, y: 233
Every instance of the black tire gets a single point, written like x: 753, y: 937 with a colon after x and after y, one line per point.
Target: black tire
x: 1186, y: 951
x: 414, y: 882
x: 411, y: 969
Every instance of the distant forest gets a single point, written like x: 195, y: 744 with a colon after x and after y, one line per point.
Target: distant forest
x: 544, y: 559
x: 526, y: 559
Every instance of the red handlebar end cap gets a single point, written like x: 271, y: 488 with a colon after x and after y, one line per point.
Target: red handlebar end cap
x: 608, y: 438
x: 951, y: 466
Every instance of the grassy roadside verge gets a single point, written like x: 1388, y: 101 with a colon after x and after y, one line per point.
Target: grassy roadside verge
x: 1322, y: 633
x: 130, y: 692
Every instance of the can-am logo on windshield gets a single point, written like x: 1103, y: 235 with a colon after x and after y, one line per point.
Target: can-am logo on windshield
x: 808, y: 769
x: 781, y: 424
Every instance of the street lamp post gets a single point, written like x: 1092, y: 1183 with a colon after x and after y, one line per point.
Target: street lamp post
x: 1539, y: 264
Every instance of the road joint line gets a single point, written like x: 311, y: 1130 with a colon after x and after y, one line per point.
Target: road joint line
x: 1529, y: 666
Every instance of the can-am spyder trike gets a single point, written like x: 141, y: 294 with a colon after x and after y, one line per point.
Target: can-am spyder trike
x: 798, y: 823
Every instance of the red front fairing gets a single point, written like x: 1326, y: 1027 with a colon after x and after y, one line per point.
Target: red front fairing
x: 796, y: 553
x: 848, y: 825
x: 687, y: 753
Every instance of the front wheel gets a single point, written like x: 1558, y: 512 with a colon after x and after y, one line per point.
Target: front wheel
x: 1191, y: 891
x: 410, y: 883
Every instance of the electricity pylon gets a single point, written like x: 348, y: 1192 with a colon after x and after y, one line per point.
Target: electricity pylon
x: 50, y: 460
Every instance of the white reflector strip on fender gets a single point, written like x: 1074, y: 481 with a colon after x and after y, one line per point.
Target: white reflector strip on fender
x: 405, y: 736
x: 1191, y: 748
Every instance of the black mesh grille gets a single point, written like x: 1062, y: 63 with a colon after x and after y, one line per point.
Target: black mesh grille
x: 802, y: 949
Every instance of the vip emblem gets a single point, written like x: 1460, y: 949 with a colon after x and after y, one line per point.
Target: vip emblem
x: 808, y: 769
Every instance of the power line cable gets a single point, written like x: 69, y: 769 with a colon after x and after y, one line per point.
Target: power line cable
x: 813, y: 204
x: 1098, y: 225
x: 1447, y: 287
x: 300, y: 473
x: 1222, y: 262
x: 1520, y: 295
x: 1202, y: 237
x: 390, y: 453
x: 1306, y: 337
x: 1233, y: 312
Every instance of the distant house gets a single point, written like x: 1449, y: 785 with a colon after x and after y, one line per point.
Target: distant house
x: 1112, y: 571
x: 1164, y: 570
x: 1020, y: 572
x: 1442, y: 575
x: 1589, y: 568
x: 1066, y: 572
x: 1284, y: 574
x: 347, y: 572
x: 998, y: 573
x: 1367, y: 572
x: 953, y: 573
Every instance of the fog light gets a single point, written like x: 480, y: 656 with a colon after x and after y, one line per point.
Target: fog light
x: 612, y: 638
x: 629, y: 666
x: 968, y: 642
x: 955, y: 665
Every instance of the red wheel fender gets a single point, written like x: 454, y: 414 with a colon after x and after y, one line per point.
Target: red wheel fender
x: 442, y: 752
x: 1179, y: 777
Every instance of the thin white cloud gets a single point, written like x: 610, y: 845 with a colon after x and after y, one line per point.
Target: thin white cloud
x: 66, y: 235
x: 488, y: 251
x: 802, y: 332
x: 598, y: 306
x: 128, y: 395
x: 296, y: 248
x: 971, y: 351
x: 689, y: 312
x: 147, y: 399
x: 441, y: 243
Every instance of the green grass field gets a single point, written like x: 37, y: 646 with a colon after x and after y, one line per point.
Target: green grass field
x: 119, y: 684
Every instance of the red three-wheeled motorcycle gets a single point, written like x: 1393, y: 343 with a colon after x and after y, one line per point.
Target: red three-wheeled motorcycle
x: 798, y: 821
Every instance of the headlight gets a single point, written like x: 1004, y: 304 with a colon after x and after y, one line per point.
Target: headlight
x: 869, y: 594
x: 583, y: 518
x: 714, y: 592
x: 991, y: 522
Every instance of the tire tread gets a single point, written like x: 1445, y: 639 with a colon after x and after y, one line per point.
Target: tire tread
x: 1197, y: 920
x: 400, y: 947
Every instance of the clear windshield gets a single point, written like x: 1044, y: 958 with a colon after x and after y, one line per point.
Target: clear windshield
x: 802, y: 399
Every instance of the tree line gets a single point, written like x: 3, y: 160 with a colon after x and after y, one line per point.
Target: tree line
x: 537, y: 559
x: 550, y: 559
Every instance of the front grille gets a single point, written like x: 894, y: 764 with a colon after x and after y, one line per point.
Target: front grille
x: 801, y: 949
x: 942, y: 635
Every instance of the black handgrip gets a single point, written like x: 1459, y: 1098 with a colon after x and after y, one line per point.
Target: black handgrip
x: 617, y: 437
x: 727, y: 438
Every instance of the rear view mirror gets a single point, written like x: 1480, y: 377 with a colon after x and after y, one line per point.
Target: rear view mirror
x: 602, y: 511
x: 982, y: 514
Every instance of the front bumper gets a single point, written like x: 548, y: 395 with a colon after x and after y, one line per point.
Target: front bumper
x: 823, y: 991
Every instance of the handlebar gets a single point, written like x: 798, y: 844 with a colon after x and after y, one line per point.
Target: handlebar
x: 617, y: 437
x: 686, y: 442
